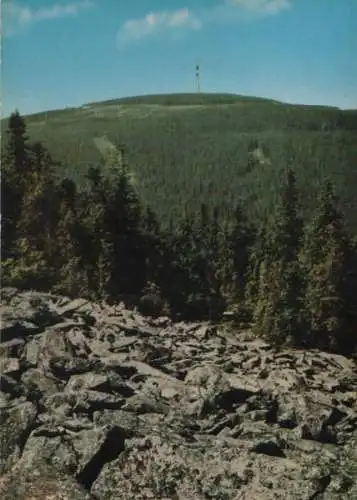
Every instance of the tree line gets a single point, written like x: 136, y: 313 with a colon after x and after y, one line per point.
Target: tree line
x: 295, y: 282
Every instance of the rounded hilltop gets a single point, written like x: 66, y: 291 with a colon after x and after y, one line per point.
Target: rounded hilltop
x: 185, y: 99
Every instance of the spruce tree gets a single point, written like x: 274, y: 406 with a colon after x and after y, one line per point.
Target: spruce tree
x: 38, y: 200
x: 277, y: 313
x: 123, y: 223
x: 207, y: 251
x: 240, y: 241
x: 69, y: 255
x: 32, y: 228
x: 154, y: 248
x: 213, y: 248
x: 176, y: 273
x: 329, y: 265
x: 94, y: 202
x: 113, y: 219
x: 15, y: 166
x: 256, y: 257
x: 224, y: 265
x: 191, y: 285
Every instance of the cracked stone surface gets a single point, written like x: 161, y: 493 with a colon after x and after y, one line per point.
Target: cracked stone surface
x: 98, y: 402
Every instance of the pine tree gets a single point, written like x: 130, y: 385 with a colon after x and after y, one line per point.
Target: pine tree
x: 240, y: 241
x: 32, y: 168
x: 152, y: 299
x: 257, y: 255
x: 69, y: 252
x: 210, y: 241
x: 190, y: 285
x: 174, y: 275
x: 224, y: 264
x: 204, y: 248
x: 15, y: 167
x: 95, y: 233
x: 123, y: 222
x: 154, y: 249
x: 16, y: 150
x: 40, y: 191
x: 285, y: 236
x: 330, y: 269
x: 277, y: 313
x: 117, y: 259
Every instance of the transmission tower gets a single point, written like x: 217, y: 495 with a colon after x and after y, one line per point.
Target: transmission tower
x: 198, y: 78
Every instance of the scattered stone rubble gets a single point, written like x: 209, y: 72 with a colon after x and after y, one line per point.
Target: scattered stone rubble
x: 98, y: 402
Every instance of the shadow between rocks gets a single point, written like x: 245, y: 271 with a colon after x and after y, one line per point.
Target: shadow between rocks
x: 110, y: 450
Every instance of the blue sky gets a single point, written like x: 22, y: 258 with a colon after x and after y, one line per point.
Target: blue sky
x: 59, y: 53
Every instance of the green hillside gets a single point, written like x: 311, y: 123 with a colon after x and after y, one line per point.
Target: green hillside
x: 185, y: 99
x: 186, y: 148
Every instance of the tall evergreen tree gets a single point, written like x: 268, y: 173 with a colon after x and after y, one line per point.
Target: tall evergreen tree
x: 223, y: 265
x: 38, y: 210
x: 117, y: 260
x: 123, y: 220
x: 15, y: 167
x: 329, y: 264
x: 32, y: 227
x: 277, y: 313
x: 214, y: 245
x: 154, y: 248
x: 175, y: 273
x: 257, y: 255
x: 94, y: 202
x: 240, y: 241
x: 69, y: 256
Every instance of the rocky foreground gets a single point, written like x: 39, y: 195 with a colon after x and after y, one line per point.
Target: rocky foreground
x: 98, y: 402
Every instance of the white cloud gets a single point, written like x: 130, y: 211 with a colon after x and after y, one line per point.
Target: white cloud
x: 161, y: 22
x: 17, y: 16
x: 156, y: 23
x: 260, y: 7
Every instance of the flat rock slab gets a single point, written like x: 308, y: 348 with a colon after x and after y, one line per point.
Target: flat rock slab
x: 71, y: 307
x: 9, y: 366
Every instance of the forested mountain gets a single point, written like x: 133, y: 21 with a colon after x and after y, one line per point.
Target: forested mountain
x: 292, y: 278
x: 184, y: 149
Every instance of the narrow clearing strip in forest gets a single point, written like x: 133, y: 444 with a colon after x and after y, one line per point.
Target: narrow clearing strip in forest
x: 107, y: 148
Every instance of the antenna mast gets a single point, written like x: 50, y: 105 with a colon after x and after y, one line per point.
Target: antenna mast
x: 198, y: 83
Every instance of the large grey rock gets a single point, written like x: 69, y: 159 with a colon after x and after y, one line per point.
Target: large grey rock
x: 45, y: 482
x: 16, y: 425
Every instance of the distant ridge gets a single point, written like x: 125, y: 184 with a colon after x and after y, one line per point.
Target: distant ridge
x: 180, y: 99
x: 196, y: 99
x: 185, y: 99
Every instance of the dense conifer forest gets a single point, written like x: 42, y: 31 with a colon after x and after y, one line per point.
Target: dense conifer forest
x: 293, y: 278
x: 184, y: 149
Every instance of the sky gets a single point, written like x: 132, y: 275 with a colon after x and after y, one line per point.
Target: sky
x: 66, y: 53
